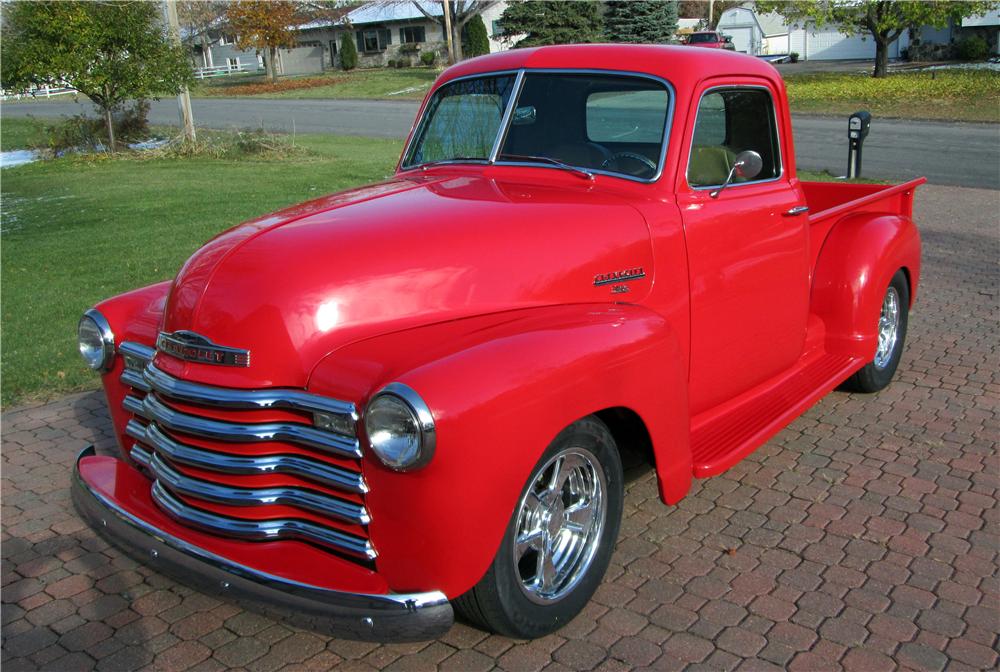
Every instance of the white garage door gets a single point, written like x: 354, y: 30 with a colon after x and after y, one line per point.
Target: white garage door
x: 831, y: 45
x: 742, y: 38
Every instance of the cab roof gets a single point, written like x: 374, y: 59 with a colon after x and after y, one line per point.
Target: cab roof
x: 682, y: 66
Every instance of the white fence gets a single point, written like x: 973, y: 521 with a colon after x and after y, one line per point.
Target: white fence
x: 38, y: 92
x: 224, y: 70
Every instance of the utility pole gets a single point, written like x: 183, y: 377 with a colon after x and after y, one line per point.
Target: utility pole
x: 446, y: 6
x: 184, y: 97
x: 711, y: 12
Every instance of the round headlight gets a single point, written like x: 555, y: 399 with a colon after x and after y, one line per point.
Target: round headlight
x: 97, y: 343
x: 400, y: 427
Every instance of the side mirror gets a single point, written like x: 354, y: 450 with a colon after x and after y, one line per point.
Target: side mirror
x: 747, y: 165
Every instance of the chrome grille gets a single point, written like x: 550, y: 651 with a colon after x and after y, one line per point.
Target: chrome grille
x: 196, y: 471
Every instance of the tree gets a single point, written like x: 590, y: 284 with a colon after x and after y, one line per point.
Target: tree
x: 552, y: 22
x: 200, y: 18
x: 265, y: 26
x: 640, y: 21
x: 883, y: 20
x: 462, y: 12
x: 699, y: 9
x: 110, y: 52
x: 348, y: 52
x: 479, y: 39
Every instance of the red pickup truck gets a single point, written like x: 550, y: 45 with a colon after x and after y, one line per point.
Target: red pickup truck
x: 710, y: 39
x: 376, y: 407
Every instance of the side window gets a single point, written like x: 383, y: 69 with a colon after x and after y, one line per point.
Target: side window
x: 731, y: 121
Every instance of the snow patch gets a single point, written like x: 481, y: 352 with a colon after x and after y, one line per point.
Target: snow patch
x: 18, y: 157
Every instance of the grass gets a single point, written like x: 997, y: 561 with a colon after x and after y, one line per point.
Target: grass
x: 952, y: 95
x: 373, y: 84
x: 76, y: 231
x: 18, y: 133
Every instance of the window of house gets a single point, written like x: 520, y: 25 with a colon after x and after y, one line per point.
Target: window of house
x: 373, y: 40
x: 233, y: 63
x: 497, y: 30
x: 731, y: 121
x: 412, y: 34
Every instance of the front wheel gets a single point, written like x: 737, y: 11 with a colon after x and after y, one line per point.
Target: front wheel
x: 892, y: 323
x: 559, y: 540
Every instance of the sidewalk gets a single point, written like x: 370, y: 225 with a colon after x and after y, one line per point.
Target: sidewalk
x: 863, y: 537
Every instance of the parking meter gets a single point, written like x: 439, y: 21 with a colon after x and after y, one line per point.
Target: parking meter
x: 857, y: 130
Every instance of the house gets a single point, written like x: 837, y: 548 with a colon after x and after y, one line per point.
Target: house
x: 767, y: 34
x: 396, y: 31
x: 215, y: 49
x: 752, y: 33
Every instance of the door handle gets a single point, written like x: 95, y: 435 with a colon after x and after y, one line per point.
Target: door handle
x: 797, y: 210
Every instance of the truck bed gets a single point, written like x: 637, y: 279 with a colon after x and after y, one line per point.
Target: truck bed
x: 832, y: 199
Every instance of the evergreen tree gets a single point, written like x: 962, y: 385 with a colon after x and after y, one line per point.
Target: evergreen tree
x: 479, y: 40
x: 640, y: 21
x: 348, y: 52
x: 552, y: 22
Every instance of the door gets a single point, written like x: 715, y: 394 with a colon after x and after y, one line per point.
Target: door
x: 747, y: 255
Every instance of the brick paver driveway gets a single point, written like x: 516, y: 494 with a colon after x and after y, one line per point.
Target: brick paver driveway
x: 865, y: 536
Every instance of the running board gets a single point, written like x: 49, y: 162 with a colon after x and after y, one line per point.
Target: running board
x: 722, y: 437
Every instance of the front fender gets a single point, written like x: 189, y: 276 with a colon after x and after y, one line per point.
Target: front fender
x: 855, y: 265
x: 133, y: 316
x: 501, y: 387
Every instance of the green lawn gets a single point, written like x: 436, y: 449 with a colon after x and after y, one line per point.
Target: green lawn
x: 953, y: 95
x: 376, y: 83
x: 77, y: 231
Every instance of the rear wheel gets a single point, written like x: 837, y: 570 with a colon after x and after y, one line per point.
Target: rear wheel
x: 559, y: 540
x: 892, y: 323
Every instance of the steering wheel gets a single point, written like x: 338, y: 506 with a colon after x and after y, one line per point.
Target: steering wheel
x: 646, y: 163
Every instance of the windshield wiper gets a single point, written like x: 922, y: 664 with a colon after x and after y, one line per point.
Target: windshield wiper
x: 582, y: 172
x: 453, y: 159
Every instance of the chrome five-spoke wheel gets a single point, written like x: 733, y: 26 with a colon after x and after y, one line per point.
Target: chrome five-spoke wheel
x: 559, y: 539
x: 890, y: 338
x: 559, y: 523
x: 888, y: 328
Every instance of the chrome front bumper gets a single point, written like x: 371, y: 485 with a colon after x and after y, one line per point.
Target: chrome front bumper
x: 390, y: 617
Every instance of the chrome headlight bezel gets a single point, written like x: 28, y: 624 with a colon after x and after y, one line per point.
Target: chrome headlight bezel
x: 404, y: 397
x: 102, y: 345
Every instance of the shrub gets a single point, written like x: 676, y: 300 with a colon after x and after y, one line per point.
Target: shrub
x: 793, y: 57
x: 403, y: 63
x: 973, y: 48
x: 390, y: 63
x: 479, y: 41
x: 428, y: 58
x: 83, y: 133
x: 348, y: 52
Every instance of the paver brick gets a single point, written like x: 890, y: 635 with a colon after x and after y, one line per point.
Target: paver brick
x: 865, y: 536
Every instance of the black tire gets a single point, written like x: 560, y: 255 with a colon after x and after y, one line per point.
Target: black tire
x: 500, y: 602
x: 873, y: 377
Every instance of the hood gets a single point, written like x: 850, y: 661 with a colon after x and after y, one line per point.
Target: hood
x: 294, y: 286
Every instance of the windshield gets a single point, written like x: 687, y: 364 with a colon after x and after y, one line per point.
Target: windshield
x: 605, y: 123
x: 697, y: 38
x: 462, y: 120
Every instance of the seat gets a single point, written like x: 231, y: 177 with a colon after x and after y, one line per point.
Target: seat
x: 709, y: 165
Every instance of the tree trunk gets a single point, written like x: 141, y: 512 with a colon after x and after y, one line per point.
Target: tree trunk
x: 273, y: 60
x: 457, y: 41
x: 881, y: 57
x: 206, y: 51
x: 110, y: 122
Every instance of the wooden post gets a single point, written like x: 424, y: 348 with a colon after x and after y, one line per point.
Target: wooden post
x: 446, y: 7
x: 184, y: 97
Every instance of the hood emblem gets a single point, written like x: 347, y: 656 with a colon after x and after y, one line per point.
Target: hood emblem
x: 193, y: 347
x: 619, y: 276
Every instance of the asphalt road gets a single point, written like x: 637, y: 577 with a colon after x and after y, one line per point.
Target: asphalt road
x: 959, y: 154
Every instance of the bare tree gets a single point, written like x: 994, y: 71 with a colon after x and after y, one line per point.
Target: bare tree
x: 200, y: 18
x: 462, y: 12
